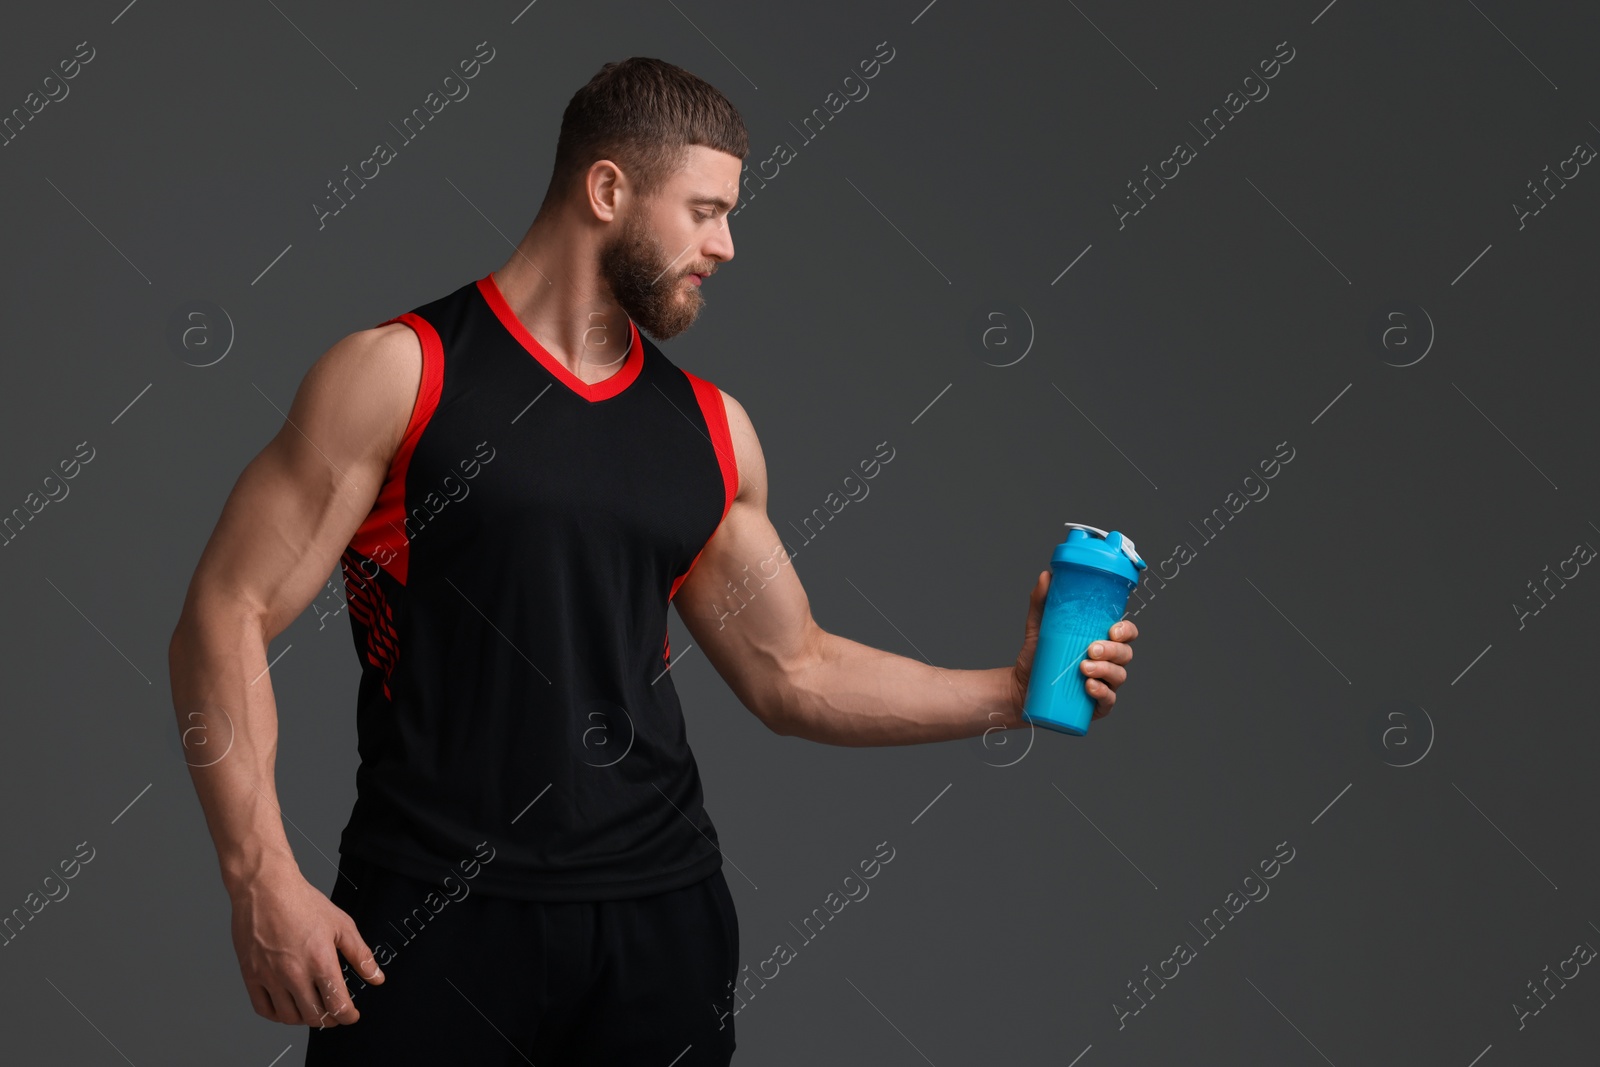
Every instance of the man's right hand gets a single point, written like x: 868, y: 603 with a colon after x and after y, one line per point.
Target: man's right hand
x: 288, y: 936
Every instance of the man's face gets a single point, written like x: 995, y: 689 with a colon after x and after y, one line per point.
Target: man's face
x: 665, y: 245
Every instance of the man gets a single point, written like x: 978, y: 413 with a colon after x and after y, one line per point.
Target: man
x: 516, y: 482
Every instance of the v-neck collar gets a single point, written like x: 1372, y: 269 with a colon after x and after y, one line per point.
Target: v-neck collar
x: 601, y: 390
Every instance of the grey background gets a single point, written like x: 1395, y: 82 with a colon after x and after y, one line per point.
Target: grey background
x: 1357, y: 617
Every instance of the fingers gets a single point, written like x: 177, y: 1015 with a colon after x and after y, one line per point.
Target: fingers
x: 1103, y: 669
x: 337, y: 1007
x: 307, y: 1004
x: 284, y: 1009
x: 1105, y: 661
x: 319, y: 996
x: 1109, y: 674
x: 349, y: 943
x: 294, y: 999
x: 1110, y: 651
x: 260, y: 1001
x: 1104, y: 697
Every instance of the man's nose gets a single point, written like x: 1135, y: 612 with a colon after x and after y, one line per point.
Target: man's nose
x: 720, y: 246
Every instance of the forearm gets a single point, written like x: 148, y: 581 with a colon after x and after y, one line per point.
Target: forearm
x: 228, y: 727
x: 847, y: 693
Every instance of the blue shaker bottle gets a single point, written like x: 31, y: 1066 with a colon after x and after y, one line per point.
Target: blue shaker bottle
x: 1090, y: 579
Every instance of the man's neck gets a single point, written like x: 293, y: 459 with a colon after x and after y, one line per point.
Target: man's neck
x: 552, y: 283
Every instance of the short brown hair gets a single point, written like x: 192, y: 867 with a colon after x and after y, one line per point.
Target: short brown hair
x: 642, y: 114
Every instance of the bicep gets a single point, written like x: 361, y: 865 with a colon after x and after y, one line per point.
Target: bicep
x: 742, y: 601
x: 298, y: 502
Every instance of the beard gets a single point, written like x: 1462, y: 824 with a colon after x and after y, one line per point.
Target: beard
x: 648, y: 284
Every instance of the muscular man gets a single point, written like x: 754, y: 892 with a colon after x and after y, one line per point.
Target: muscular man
x: 516, y: 482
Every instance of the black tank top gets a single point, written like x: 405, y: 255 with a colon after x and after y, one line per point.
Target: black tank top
x: 508, y: 596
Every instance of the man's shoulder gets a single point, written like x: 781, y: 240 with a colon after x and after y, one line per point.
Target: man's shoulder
x: 407, y: 350
x: 374, y: 379
x: 377, y: 354
x: 751, y: 464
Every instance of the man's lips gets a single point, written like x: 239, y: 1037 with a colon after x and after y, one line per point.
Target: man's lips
x: 697, y: 278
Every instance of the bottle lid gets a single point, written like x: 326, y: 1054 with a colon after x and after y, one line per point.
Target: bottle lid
x: 1110, y: 551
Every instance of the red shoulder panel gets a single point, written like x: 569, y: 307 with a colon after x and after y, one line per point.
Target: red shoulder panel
x: 716, y: 416
x: 382, y: 536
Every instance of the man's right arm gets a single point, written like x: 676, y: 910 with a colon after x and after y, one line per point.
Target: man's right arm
x: 282, y: 530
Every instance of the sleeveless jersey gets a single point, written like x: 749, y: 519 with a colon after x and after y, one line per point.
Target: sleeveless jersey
x: 508, y: 597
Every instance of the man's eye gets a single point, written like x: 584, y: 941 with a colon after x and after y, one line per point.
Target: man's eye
x: 702, y: 215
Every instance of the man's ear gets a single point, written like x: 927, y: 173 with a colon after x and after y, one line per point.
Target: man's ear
x: 605, y: 185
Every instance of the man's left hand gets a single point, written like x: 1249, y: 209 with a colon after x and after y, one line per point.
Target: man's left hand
x: 1105, y: 669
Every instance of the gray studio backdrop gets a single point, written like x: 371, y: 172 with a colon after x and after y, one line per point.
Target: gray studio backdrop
x: 1102, y: 263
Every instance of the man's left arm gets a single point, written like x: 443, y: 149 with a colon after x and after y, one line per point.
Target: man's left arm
x: 744, y: 605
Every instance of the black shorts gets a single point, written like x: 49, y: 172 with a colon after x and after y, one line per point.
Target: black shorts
x: 488, y: 980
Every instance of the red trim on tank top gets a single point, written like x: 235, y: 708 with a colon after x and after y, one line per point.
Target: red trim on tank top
x: 382, y: 535
x: 601, y: 390
x: 371, y: 609
x: 715, y: 412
